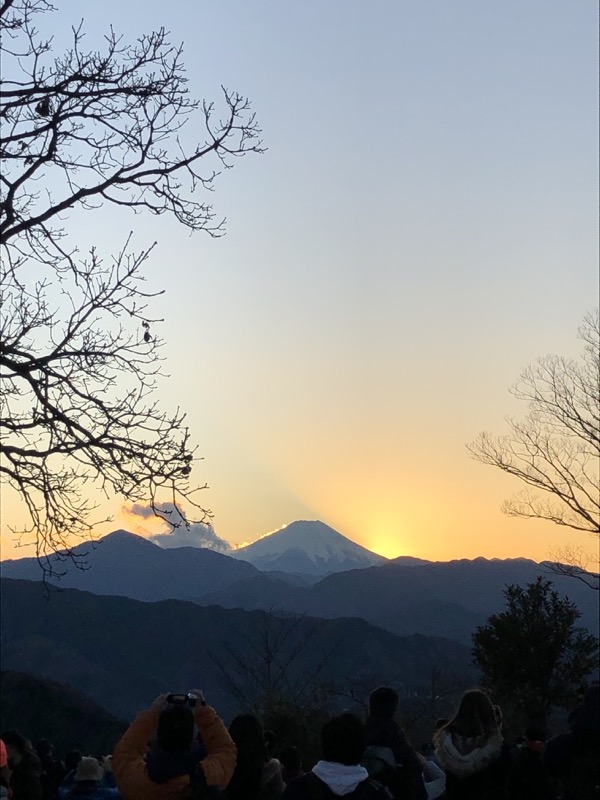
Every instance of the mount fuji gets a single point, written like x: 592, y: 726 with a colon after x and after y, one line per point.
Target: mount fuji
x: 308, y: 547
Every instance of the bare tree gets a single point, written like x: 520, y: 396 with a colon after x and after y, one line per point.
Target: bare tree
x: 266, y: 669
x: 79, y: 353
x: 555, y: 450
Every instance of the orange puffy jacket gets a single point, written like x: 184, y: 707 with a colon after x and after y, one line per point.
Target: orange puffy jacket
x: 129, y: 766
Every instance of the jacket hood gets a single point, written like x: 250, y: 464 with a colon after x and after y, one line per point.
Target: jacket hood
x: 464, y: 755
x: 271, y: 769
x: 340, y: 778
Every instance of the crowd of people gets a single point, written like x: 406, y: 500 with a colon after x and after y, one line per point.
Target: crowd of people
x: 180, y: 749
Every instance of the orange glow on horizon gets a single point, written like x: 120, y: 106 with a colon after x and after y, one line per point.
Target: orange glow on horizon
x: 413, y: 526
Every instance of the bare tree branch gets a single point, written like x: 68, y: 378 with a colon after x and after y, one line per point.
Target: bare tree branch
x: 261, y: 668
x: 79, y: 352
x: 573, y: 562
x: 555, y: 450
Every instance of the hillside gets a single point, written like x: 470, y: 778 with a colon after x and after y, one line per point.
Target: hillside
x: 44, y: 709
x: 125, y: 564
x: 122, y: 653
x: 434, y: 598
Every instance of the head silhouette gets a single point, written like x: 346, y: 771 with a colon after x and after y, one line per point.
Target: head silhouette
x: 175, y: 729
x: 247, y: 733
x: 383, y: 702
x: 475, y: 715
x: 343, y: 740
x: 290, y: 758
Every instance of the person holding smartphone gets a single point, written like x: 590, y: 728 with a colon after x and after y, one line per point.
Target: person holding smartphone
x: 170, y: 767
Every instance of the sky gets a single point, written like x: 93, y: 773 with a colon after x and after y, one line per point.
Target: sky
x: 421, y: 227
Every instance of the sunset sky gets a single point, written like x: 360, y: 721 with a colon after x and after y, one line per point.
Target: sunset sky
x: 422, y: 226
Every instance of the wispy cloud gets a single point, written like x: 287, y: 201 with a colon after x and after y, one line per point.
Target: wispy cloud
x: 195, y: 535
x: 145, y: 511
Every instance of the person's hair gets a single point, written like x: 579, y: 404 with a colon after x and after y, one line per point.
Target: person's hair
x: 290, y: 758
x: 270, y: 742
x: 44, y: 748
x: 343, y: 740
x: 248, y: 736
x: 474, y: 716
x: 175, y: 729
x: 72, y: 759
x: 18, y: 742
x: 247, y: 733
x: 439, y: 723
x: 383, y: 702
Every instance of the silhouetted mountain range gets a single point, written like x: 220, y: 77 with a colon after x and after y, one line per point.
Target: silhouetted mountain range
x: 49, y: 710
x: 122, y: 653
x: 433, y: 598
x: 125, y: 564
x: 405, y: 596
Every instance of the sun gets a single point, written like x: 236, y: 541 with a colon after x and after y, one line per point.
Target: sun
x: 386, y: 548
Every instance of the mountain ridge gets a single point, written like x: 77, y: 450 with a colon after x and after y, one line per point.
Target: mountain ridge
x: 123, y: 563
x: 436, y: 598
x: 122, y: 653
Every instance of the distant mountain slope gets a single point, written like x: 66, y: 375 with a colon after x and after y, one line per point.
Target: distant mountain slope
x: 123, y: 653
x: 43, y: 709
x: 435, y: 598
x: 125, y: 564
x: 263, y: 591
x: 309, y: 547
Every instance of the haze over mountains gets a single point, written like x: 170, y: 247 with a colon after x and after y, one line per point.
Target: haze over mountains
x: 405, y: 596
x: 436, y: 598
x: 122, y: 653
x: 355, y: 618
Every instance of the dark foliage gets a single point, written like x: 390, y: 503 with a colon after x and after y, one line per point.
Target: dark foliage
x: 532, y: 655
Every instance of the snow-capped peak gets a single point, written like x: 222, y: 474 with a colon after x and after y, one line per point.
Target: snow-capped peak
x: 310, y: 547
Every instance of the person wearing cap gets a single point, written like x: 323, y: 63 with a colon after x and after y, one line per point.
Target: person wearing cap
x: 87, y: 783
x: 171, y: 767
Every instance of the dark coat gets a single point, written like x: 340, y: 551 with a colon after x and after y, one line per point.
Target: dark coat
x: 387, y: 733
x: 25, y: 779
x: 130, y: 767
x: 568, y: 756
x: 573, y: 759
x: 529, y: 778
x: 257, y: 783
